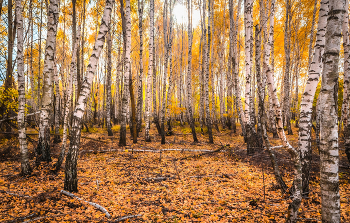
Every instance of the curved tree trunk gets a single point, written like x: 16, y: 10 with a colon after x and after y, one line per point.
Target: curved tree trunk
x: 315, y: 69
x: 71, y: 180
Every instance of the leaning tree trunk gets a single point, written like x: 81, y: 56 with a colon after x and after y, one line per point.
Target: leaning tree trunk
x: 189, y: 72
x: 71, y: 180
x: 109, y: 76
x: 68, y: 101
x: 294, y: 206
x: 150, y: 72
x: 25, y: 166
x: 329, y: 149
x: 315, y: 69
x: 43, y: 149
x: 127, y: 64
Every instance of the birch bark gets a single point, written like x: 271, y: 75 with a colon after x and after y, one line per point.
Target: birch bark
x: 71, y: 180
x: 68, y: 101
x: 127, y: 64
x: 109, y: 76
x: 329, y: 148
x: 139, y: 88
x: 189, y: 72
x: 43, y: 149
x: 309, y: 94
x: 252, y: 143
x: 25, y: 166
x: 150, y: 72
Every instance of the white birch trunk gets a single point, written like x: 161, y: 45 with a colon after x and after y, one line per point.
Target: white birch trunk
x: 68, y: 101
x: 127, y: 71
x: 109, y: 80
x: 139, y: 88
x: 329, y: 148
x: 150, y: 72
x: 25, y: 166
x: 294, y: 206
x: 71, y: 180
x: 189, y: 72
x: 43, y: 150
x: 315, y: 69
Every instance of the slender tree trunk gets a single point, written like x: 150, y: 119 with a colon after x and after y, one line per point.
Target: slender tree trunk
x: 315, y: 69
x: 294, y: 206
x: 206, y: 77
x: 346, y: 45
x: 346, y: 95
x: 71, y: 180
x: 286, y: 87
x: 150, y: 72
x: 68, y: 101
x: 329, y: 149
x: 57, y: 137
x: 237, y: 52
x: 43, y: 149
x: 25, y: 166
x: 139, y: 89
x: 127, y: 64
x: 154, y: 79
x: 109, y: 76
x: 39, y: 57
x: 189, y: 72
x: 231, y: 66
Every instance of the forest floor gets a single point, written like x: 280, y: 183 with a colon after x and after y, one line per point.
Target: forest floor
x: 139, y: 183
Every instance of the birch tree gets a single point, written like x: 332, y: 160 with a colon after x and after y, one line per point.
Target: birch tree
x: 314, y: 72
x: 25, y: 166
x: 189, y: 72
x: 109, y: 76
x: 127, y: 64
x: 139, y: 88
x: 329, y: 148
x: 150, y: 72
x: 68, y: 101
x: 252, y: 143
x: 43, y: 149
x: 71, y: 180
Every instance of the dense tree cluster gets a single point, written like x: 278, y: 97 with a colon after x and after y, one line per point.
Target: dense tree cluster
x: 210, y: 64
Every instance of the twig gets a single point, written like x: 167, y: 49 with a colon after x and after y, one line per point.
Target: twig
x: 312, y: 219
x: 91, y: 203
x: 43, y: 217
x: 127, y: 217
x: 14, y: 194
x: 205, y: 153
